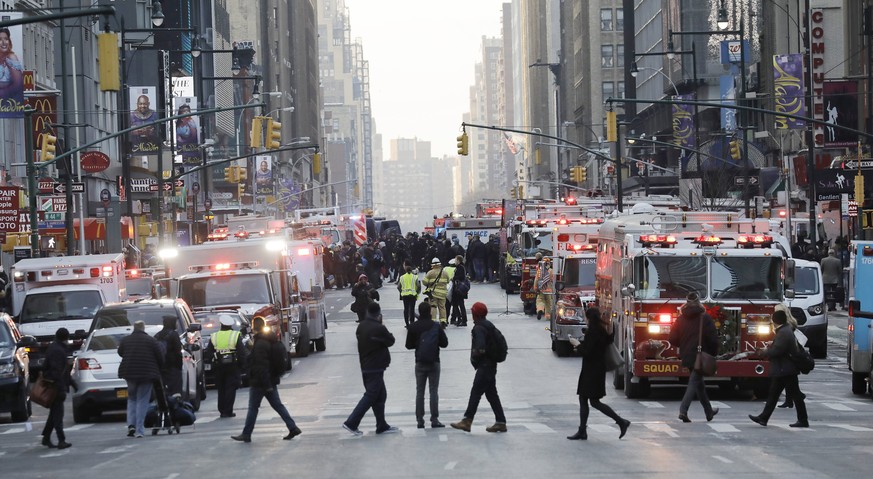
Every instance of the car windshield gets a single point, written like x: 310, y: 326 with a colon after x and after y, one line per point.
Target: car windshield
x: 669, y: 276
x: 537, y: 242
x: 139, y: 287
x: 735, y: 277
x: 211, y: 322
x: 106, y: 341
x: 225, y: 290
x: 150, y: 315
x: 579, y: 272
x: 59, y: 306
x: 5, y: 336
x: 806, y: 281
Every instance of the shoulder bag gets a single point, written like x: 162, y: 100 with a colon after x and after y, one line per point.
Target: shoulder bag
x: 704, y: 363
x: 612, y: 358
x: 43, y: 392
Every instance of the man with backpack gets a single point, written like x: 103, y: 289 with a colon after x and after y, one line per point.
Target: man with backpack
x: 426, y: 337
x: 488, y: 349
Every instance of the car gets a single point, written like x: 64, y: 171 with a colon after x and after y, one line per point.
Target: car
x: 209, y: 320
x: 145, y: 283
x: 152, y: 313
x: 95, y: 371
x: 809, y: 307
x: 14, y: 370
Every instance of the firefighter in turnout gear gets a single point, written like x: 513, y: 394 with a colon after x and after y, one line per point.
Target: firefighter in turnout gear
x: 228, y: 353
x: 544, y: 286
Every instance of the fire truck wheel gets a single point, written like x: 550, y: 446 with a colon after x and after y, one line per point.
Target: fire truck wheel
x: 554, y: 344
x: 859, y: 383
x: 761, y: 387
x: 288, y: 363
x: 634, y: 390
x: 617, y: 380
x: 563, y: 349
x: 303, y: 344
x: 321, y: 343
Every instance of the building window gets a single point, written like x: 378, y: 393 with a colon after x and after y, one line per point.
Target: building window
x: 621, y: 89
x: 606, y: 19
x: 608, y: 89
x: 606, y: 56
x: 619, y: 20
x: 619, y: 56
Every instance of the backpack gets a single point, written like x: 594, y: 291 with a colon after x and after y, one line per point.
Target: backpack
x: 497, y: 347
x: 463, y: 287
x: 428, y: 349
x: 802, y: 360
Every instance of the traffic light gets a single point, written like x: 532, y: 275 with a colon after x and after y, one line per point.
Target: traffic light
x: 581, y: 174
x: 231, y: 174
x: 574, y: 174
x: 240, y: 189
x: 316, y: 164
x: 242, y: 173
x: 514, y: 193
x: 49, y: 145
x: 521, y: 192
x: 274, y: 134
x: 463, y: 144
x: 257, y: 138
x: 736, y: 154
x: 611, y: 126
x: 177, y: 187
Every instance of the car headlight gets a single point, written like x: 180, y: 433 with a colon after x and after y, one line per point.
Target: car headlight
x: 567, y: 313
x: 816, y: 309
x: 7, y: 370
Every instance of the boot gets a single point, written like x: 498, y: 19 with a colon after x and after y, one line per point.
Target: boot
x: 47, y: 442
x: 622, y: 426
x: 497, y: 427
x: 463, y: 424
x: 581, y: 434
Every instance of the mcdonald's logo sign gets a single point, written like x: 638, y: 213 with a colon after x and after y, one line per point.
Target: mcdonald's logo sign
x: 29, y: 80
x: 45, y: 114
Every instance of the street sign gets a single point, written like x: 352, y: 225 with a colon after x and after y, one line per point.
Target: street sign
x: 78, y: 188
x: 53, y: 203
x: 46, y: 185
x: 853, y: 164
x: 741, y: 180
x: 180, y: 183
x: 54, y: 216
x: 168, y: 187
x: 60, y: 188
x: 153, y: 187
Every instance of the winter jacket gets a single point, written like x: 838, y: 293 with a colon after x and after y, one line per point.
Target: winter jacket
x: 374, y: 339
x: 686, y: 330
x: 56, y: 369
x: 173, y: 360
x: 419, y: 327
x: 592, y: 378
x: 141, y: 358
x: 363, y: 293
x: 460, y: 277
x: 267, y: 362
x: 482, y: 334
x: 784, y: 343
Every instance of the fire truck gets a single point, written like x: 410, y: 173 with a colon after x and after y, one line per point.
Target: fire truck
x: 647, y: 263
x: 575, y: 257
x: 270, y: 277
x: 63, y: 292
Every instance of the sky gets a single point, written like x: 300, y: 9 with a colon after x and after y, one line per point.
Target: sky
x: 422, y: 55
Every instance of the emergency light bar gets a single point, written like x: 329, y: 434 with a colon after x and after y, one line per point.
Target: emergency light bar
x: 663, y: 240
x: 750, y: 241
x: 216, y: 267
x: 583, y: 247
x: 591, y: 221
x: 708, y: 240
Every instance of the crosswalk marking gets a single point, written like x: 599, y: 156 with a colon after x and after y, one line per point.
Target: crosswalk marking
x: 606, y: 428
x: 852, y: 428
x: 837, y: 406
x: 723, y: 459
x: 722, y: 427
x: 78, y: 427
x: 720, y: 405
x: 661, y: 427
x: 652, y: 404
x: 538, y: 428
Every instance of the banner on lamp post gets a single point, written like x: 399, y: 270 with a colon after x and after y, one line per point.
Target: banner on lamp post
x: 788, y: 83
x: 11, y: 68
x: 145, y: 140
x: 683, y: 127
x: 264, y: 175
x: 187, y: 130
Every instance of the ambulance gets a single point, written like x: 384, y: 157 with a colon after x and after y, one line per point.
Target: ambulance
x: 63, y: 292
x: 860, y: 338
x: 649, y: 260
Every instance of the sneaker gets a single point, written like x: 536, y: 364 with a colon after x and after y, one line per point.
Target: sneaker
x: 139, y: 436
x: 387, y: 430
x: 131, y: 430
x: 293, y: 433
x: 354, y: 432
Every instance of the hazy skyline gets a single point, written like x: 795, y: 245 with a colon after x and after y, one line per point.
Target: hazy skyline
x: 422, y: 56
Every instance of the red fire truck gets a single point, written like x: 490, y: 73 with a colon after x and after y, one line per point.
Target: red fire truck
x: 648, y: 261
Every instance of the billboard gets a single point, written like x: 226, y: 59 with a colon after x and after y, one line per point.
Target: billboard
x: 264, y: 175
x: 788, y: 84
x: 145, y: 140
x: 841, y: 102
x: 11, y: 68
x: 187, y: 130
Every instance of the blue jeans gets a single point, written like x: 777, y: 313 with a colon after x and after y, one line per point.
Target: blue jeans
x: 138, y: 395
x: 478, y: 269
x: 427, y: 374
x: 255, y: 396
x: 374, y: 397
x: 485, y: 382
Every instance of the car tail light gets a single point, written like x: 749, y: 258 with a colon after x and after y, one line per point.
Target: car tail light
x: 88, y: 364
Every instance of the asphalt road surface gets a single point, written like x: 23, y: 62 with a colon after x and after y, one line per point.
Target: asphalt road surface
x: 538, y: 392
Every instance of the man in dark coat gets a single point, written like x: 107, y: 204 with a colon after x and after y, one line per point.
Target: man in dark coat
x: 783, y: 372
x: 364, y: 294
x: 57, y: 372
x: 141, y: 362
x: 374, y: 339
x: 171, y: 371
x: 265, y: 371
x: 427, y: 362
x: 685, y: 334
x: 592, y: 378
x: 485, y: 381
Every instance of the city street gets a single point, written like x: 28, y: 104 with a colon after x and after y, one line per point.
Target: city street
x: 538, y: 392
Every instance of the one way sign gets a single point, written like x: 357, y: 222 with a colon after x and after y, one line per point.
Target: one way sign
x: 61, y: 188
x: 741, y: 180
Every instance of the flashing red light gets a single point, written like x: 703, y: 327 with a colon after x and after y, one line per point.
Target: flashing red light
x: 562, y: 221
x: 303, y: 251
x: 754, y: 240
x: 665, y: 318
x: 867, y: 251
x: 782, y: 213
x: 658, y: 239
x: 708, y: 240
x: 570, y: 200
x: 95, y: 272
x: 222, y: 266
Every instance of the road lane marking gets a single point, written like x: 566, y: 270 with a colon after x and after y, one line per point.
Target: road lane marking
x: 659, y: 427
x: 450, y: 466
x: 722, y: 427
x: 78, y: 427
x: 652, y: 404
x: 723, y: 459
x: 837, y: 406
x: 849, y: 427
x: 538, y: 428
x: 719, y: 404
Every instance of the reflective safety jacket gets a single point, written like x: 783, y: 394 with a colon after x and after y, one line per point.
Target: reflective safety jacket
x: 409, y: 285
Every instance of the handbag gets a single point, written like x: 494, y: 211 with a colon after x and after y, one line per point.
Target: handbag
x: 704, y: 363
x: 612, y: 358
x: 43, y: 392
x: 802, y: 360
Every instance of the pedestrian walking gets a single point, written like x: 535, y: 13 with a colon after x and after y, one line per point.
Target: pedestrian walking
x: 141, y: 363
x: 364, y: 293
x: 792, y: 323
x: 426, y: 337
x: 171, y: 370
x: 485, y: 381
x: 783, y: 372
x: 57, y: 372
x: 832, y: 277
x: 267, y: 367
x: 409, y: 287
x: 228, y: 358
x: 593, y: 375
x: 460, y: 290
x: 436, y: 289
x: 374, y: 339
x: 685, y: 333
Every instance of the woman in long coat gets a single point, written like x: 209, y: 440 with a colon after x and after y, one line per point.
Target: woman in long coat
x: 592, y: 378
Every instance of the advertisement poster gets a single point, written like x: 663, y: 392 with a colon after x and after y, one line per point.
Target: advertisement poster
x: 841, y: 102
x: 11, y: 68
x: 787, y: 79
x: 187, y: 130
x: 683, y: 127
x: 145, y: 140
x: 264, y: 175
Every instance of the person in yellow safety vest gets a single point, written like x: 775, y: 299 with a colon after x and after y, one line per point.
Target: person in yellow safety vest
x: 436, y: 282
x: 228, y: 356
x: 409, y: 287
x: 544, y: 286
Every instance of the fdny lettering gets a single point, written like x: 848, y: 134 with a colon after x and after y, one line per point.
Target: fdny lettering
x: 660, y: 368
x: 755, y: 345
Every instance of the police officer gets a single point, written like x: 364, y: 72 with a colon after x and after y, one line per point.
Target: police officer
x: 228, y: 353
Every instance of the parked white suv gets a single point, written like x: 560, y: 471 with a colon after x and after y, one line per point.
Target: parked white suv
x: 808, y: 306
